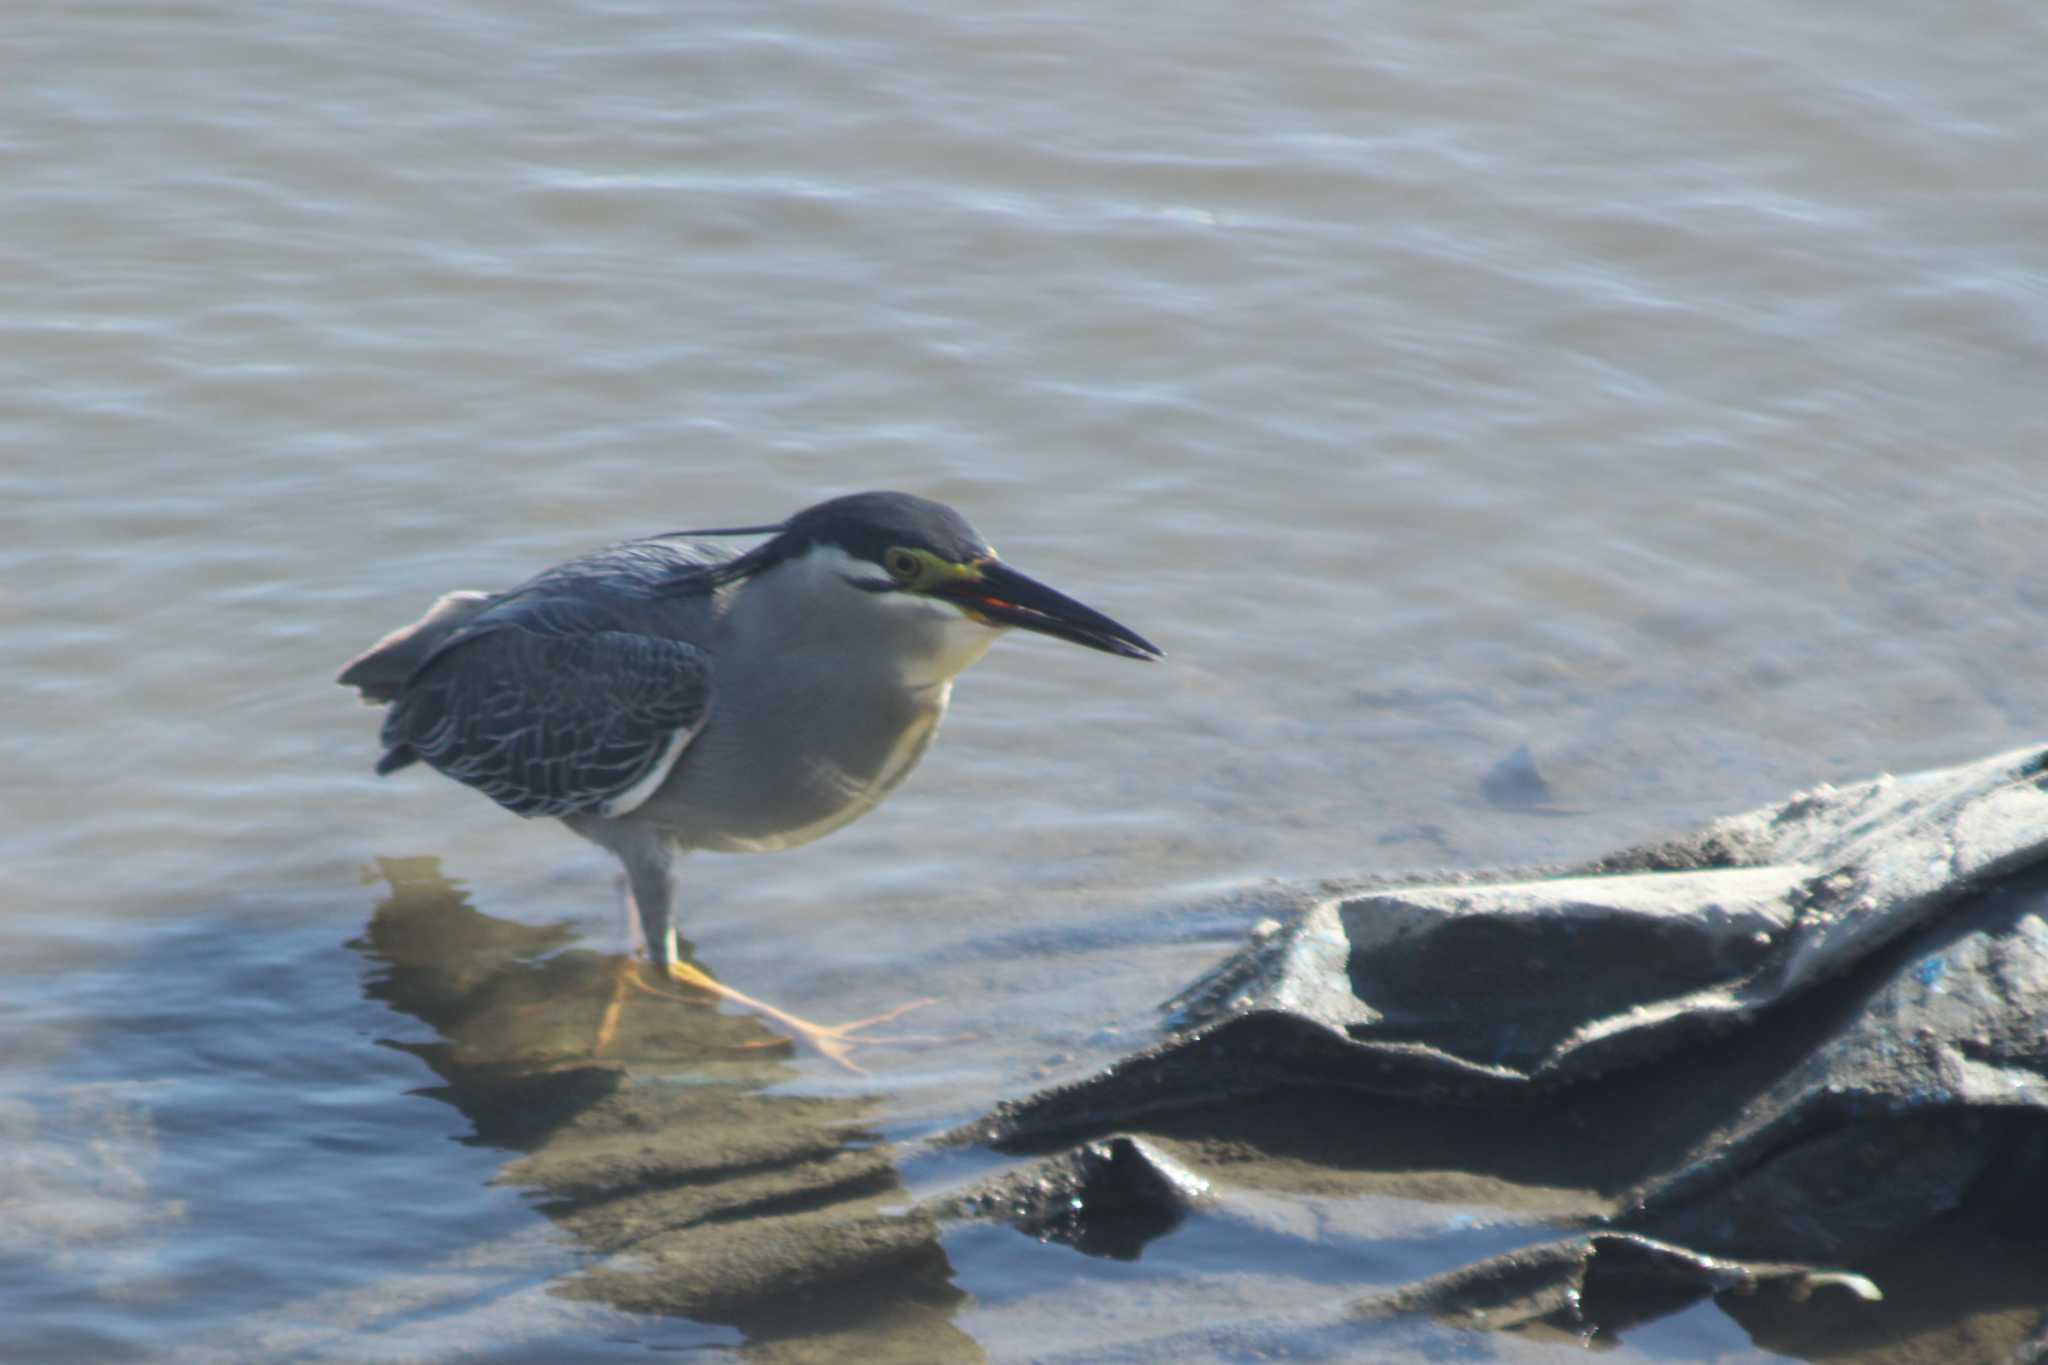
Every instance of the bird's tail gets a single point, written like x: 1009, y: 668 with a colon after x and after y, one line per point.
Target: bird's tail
x: 380, y: 672
x: 396, y: 757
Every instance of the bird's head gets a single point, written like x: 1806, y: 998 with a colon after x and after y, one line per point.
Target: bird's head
x: 912, y: 568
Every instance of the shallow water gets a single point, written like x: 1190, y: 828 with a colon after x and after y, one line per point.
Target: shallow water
x: 1657, y: 390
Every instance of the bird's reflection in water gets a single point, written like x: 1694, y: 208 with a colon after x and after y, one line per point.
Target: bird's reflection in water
x: 701, y: 1194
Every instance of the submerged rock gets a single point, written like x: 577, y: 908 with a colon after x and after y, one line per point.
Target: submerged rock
x: 1105, y: 1198
x: 1771, y: 1062
x: 695, y: 1191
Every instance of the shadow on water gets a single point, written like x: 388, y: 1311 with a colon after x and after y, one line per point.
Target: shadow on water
x: 698, y: 1193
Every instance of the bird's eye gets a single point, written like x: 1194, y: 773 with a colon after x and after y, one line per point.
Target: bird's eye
x: 902, y: 564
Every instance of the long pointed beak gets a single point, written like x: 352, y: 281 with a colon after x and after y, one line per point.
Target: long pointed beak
x: 1001, y: 596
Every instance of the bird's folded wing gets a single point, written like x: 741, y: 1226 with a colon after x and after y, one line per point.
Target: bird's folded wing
x: 548, y: 723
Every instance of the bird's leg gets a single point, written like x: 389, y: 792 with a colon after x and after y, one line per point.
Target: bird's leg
x: 608, y: 1023
x: 650, y: 896
x: 653, y: 877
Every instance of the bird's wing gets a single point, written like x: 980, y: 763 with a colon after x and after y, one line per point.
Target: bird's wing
x: 547, y: 718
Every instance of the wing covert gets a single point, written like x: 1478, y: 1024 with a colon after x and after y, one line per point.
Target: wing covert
x: 551, y: 723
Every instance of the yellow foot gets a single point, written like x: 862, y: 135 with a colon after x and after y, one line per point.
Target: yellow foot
x: 629, y: 975
x: 834, y: 1042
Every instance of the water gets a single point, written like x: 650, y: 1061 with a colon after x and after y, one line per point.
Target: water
x: 1657, y: 389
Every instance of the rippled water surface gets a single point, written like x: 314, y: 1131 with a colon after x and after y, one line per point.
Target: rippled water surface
x: 1660, y: 389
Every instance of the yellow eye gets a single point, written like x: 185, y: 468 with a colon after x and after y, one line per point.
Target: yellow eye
x: 903, y: 565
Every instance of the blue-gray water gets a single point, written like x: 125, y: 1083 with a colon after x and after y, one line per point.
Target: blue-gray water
x: 1658, y: 388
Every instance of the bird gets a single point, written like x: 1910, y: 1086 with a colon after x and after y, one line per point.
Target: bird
x: 669, y: 694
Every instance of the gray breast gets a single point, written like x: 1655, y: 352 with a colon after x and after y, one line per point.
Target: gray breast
x: 810, y: 749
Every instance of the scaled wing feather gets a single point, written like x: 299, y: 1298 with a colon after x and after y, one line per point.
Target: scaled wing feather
x: 549, y: 722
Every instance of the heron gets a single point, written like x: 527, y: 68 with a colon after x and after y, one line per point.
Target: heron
x: 670, y: 694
